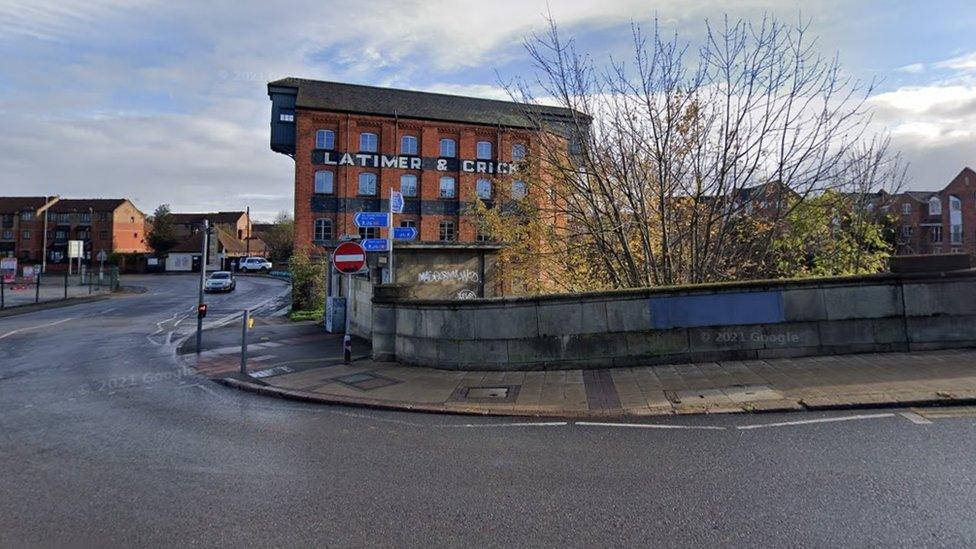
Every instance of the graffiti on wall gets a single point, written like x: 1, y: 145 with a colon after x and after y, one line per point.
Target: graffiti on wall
x: 463, y: 276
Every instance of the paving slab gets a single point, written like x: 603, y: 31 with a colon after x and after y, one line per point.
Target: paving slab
x: 775, y: 384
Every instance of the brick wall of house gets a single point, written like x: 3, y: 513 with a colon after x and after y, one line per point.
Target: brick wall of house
x: 128, y: 229
x: 924, y: 231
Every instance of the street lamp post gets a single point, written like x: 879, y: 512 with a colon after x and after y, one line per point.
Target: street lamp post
x: 44, y: 237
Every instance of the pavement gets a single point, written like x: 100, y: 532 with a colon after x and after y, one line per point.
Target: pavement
x: 301, y: 361
x: 53, y: 288
x: 108, y: 440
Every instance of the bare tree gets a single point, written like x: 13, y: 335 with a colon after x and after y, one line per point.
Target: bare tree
x: 685, y: 163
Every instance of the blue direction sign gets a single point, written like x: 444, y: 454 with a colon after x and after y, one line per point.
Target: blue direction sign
x: 374, y: 244
x: 404, y: 233
x: 372, y: 219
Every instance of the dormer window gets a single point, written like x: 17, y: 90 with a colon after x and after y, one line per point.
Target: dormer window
x: 935, y: 206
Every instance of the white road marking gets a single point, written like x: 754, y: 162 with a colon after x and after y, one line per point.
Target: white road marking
x: 525, y: 424
x: 915, y: 418
x: 811, y: 421
x: 49, y: 324
x: 650, y: 425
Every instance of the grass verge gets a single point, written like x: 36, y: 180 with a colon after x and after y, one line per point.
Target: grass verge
x: 302, y: 316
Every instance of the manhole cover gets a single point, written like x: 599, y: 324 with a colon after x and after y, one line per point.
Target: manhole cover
x: 366, y: 381
x: 354, y: 378
x: 488, y: 392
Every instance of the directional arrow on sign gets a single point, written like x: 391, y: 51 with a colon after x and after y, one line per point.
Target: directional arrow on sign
x: 404, y: 233
x: 375, y: 244
x: 371, y: 219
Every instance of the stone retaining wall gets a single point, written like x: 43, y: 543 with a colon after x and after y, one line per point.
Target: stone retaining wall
x: 764, y: 319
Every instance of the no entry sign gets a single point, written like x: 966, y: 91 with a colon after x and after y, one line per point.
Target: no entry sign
x: 349, y: 257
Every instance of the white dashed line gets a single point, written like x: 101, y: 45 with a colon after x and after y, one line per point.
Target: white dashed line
x: 650, y: 426
x: 915, y: 418
x: 812, y: 421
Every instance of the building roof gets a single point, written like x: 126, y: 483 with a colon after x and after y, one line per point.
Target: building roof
x: 84, y: 204
x: 359, y: 99
x: 17, y: 204
x: 194, y: 243
x: 921, y: 196
x: 214, y: 217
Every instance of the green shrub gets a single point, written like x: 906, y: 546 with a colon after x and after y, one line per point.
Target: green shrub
x: 308, y: 281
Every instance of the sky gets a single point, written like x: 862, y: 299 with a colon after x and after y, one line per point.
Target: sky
x: 166, y: 101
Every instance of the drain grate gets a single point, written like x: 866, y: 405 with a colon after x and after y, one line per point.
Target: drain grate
x: 500, y: 393
x: 487, y: 392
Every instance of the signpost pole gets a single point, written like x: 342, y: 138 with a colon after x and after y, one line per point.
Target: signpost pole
x: 389, y: 236
x: 347, y: 339
x: 348, y: 258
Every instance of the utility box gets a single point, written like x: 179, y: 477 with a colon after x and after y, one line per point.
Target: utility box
x: 335, y: 315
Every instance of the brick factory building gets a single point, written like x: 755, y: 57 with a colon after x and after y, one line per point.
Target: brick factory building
x: 353, y: 144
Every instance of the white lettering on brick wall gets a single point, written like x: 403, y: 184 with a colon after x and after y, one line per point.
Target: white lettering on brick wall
x: 456, y: 275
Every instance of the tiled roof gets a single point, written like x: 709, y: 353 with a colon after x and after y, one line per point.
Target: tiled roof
x: 214, y: 217
x: 16, y: 204
x: 354, y: 98
x: 232, y: 246
x: 84, y: 204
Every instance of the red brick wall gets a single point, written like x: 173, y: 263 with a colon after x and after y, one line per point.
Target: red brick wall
x: 389, y: 131
x: 128, y: 230
x: 962, y: 186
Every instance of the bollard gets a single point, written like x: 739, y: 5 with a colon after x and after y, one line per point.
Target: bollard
x: 2, y: 286
x: 37, y: 286
x: 347, y: 349
x: 66, y: 283
x: 244, y: 327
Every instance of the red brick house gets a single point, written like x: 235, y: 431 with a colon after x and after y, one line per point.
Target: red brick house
x: 934, y: 222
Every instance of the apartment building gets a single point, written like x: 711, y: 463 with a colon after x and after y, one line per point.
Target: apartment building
x: 938, y: 222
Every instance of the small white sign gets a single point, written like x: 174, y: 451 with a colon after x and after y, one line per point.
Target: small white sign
x: 396, y: 202
x: 75, y: 248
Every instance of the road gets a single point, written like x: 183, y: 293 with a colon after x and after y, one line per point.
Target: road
x: 106, y: 441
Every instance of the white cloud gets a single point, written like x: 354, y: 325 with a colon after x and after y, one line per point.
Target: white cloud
x: 966, y: 62
x: 934, y: 125
x: 200, y: 138
x: 914, y: 68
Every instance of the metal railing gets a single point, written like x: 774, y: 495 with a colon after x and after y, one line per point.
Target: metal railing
x: 16, y: 291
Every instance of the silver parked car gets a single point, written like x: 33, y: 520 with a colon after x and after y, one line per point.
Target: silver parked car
x: 220, y: 281
x: 255, y: 265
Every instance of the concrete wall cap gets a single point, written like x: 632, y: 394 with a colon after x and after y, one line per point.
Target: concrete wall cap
x: 688, y: 289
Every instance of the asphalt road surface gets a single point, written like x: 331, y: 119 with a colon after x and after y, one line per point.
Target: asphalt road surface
x: 105, y: 441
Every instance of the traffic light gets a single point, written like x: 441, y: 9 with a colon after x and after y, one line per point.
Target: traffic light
x: 202, y: 310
